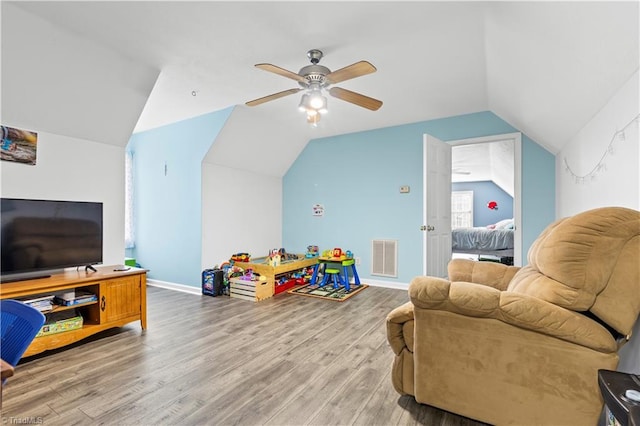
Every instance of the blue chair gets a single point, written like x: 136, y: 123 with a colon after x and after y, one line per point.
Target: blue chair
x: 19, y: 324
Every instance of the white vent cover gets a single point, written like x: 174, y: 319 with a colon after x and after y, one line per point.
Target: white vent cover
x: 385, y: 258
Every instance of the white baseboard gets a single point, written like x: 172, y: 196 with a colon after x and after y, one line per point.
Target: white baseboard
x: 173, y: 286
x: 197, y: 291
x: 387, y: 284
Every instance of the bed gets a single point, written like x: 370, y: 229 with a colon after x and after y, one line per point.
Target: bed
x: 493, y: 240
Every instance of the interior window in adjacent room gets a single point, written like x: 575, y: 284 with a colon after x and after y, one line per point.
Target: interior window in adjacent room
x: 461, y: 209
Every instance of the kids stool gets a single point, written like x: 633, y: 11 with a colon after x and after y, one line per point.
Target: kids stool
x: 335, y: 276
x: 345, y: 266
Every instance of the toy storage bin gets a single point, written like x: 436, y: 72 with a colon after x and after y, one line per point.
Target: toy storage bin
x: 250, y: 290
x: 289, y: 284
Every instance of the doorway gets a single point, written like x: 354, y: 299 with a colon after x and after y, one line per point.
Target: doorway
x: 490, y: 167
x: 513, y: 139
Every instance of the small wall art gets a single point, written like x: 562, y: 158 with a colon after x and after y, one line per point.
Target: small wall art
x: 318, y: 210
x: 18, y: 145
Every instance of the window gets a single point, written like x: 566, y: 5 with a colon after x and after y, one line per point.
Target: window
x: 461, y: 209
x: 129, y: 241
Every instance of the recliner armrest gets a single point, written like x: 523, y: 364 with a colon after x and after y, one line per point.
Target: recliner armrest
x: 395, y: 324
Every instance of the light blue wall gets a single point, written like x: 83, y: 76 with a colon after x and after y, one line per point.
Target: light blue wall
x: 538, y: 192
x: 167, y: 207
x: 357, y: 178
x: 483, y: 192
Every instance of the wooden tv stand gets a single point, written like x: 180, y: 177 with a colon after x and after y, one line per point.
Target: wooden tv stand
x: 122, y: 298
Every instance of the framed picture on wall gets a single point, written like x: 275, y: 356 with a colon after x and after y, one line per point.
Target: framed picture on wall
x: 18, y: 145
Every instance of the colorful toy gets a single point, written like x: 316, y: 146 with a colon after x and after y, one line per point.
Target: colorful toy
x: 274, y: 257
x: 240, y: 257
x: 274, y: 260
x: 284, y: 256
x: 312, y: 251
x: 248, y: 274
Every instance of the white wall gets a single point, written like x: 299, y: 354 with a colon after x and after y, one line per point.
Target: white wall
x: 63, y: 83
x: 74, y: 170
x: 618, y: 185
x: 241, y: 212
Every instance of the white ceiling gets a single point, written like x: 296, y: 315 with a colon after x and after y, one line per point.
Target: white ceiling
x: 544, y: 67
x: 488, y: 161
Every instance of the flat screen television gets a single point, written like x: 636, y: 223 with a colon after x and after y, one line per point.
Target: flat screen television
x: 39, y: 237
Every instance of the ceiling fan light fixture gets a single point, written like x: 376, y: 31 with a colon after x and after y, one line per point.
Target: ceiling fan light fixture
x: 313, y: 119
x: 313, y: 103
x: 304, y: 103
x: 317, y: 101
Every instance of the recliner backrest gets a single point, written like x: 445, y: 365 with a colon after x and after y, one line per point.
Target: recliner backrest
x: 588, y: 262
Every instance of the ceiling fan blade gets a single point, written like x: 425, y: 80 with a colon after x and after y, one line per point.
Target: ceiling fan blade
x: 272, y: 97
x: 281, y: 71
x: 355, y: 98
x: 351, y: 71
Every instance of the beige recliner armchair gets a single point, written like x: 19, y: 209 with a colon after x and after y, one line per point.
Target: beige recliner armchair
x: 509, y: 345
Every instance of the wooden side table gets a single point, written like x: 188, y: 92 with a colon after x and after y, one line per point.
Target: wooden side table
x: 613, y: 387
x: 6, y: 370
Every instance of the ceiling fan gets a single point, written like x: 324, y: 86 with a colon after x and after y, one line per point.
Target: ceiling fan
x: 314, y: 79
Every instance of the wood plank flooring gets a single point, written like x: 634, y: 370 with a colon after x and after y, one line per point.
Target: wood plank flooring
x: 288, y: 360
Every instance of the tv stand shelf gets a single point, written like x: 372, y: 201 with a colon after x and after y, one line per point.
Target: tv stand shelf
x: 122, y: 298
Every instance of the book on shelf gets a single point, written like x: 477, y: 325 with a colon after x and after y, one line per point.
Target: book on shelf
x: 42, y: 304
x: 76, y: 299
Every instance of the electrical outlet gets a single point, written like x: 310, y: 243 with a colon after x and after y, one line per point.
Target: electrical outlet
x: 404, y: 189
x: 357, y: 260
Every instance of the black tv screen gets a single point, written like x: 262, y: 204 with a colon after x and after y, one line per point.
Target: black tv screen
x: 39, y: 236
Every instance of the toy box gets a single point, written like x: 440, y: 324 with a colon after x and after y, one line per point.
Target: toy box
x: 61, y: 326
x: 241, y: 288
x: 287, y: 285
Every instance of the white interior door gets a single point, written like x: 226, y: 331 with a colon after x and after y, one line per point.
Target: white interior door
x: 436, y: 228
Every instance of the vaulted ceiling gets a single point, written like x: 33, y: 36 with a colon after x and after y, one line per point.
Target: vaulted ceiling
x: 544, y: 67
x: 488, y: 161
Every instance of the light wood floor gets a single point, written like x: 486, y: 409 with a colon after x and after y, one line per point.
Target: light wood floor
x: 289, y: 360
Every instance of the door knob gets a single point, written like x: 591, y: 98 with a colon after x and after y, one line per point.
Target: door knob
x: 423, y: 228
x: 431, y: 228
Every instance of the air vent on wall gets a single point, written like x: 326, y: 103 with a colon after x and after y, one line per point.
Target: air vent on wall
x: 384, y: 254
